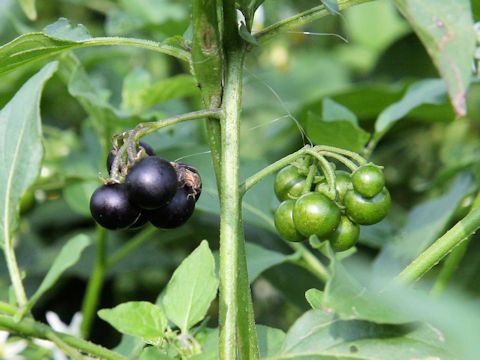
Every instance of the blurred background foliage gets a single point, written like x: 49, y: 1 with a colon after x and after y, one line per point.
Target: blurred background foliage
x: 431, y: 158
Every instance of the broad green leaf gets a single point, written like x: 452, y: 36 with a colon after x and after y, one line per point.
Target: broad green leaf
x: 78, y: 195
x: 153, y: 353
x: 373, y: 37
x: 350, y: 300
x: 137, y: 318
x: 333, y: 111
x: 191, y: 289
x: 139, y: 94
x: 61, y: 37
x: 319, y: 335
x: 20, y: 147
x: 424, y: 224
x: 261, y: 259
x: 340, y: 133
x: 129, y: 346
x: 429, y: 91
x: 269, y: 340
x: 28, y: 7
x: 446, y: 30
x: 68, y: 256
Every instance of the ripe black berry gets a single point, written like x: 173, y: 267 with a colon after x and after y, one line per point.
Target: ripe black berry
x: 176, y: 212
x: 111, y: 208
x: 111, y: 155
x: 151, y: 183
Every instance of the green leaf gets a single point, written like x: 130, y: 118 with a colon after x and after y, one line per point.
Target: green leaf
x: 137, y: 318
x: 314, y: 298
x: 446, y: 30
x: 68, y: 256
x: 429, y: 91
x: 333, y: 111
x: 62, y: 37
x: 246, y: 35
x: 191, y: 289
x: 20, y: 146
x: 153, y: 353
x: 269, y: 340
x: 28, y: 7
x: 340, y: 133
x: 62, y: 29
x: 261, y: 259
x: 78, y: 195
x: 424, y: 224
x: 319, y: 335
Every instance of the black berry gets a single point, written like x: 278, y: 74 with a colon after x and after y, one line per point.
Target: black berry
x: 111, y: 208
x: 176, y: 212
x: 151, y: 183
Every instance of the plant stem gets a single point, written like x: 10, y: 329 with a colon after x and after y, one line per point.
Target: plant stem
x: 140, y: 239
x: 141, y: 43
x: 308, y: 261
x: 95, y: 284
x: 440, y: 248
x: 146, y: 128
x: 14, y: 271
x: 270, y: 169
x: 301, y: 19
x: 207, y: 64
x: 236, y: 313
x: 130, y: 246
x: 449, y: 267
x: 7, y: 308
x: 30, y: 328
x: 348, y: 163
x: 230, y: 211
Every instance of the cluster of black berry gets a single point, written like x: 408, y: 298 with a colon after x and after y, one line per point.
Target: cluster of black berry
x: 154, y: 190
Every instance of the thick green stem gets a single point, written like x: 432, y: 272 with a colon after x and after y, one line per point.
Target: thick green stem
x: 30, y: 328
x: 207, y: 63
x: 230, y: 242
x: 449, y: 267
x: 440, y: 248
x: 236, y: 313
x: 301, y: 19
x: 95, y: 284
x: 14, y: 271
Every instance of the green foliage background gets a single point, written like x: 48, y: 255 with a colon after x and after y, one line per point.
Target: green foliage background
x: 431, y: 157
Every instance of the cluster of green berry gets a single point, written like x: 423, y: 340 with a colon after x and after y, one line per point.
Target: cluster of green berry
x: 330, y: 210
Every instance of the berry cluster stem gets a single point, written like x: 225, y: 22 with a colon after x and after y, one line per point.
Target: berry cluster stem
x: 440, y: 248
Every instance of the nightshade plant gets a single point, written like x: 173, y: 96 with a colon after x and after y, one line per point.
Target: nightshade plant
x: 341, y: 283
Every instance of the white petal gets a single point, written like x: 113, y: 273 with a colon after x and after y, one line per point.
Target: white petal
x: 55, y: 322
x: 74, y: 328
x: 3, y: 336
x: 14, y: 348
x: 58, y: 355
x: 44, y: 344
